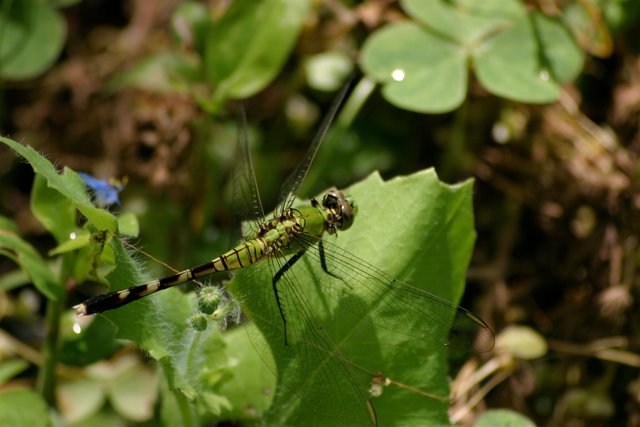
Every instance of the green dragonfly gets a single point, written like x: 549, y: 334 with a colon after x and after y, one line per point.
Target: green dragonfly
x: 278, y: 250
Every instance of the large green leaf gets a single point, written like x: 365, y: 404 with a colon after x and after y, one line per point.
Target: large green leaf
x: 414, y: 228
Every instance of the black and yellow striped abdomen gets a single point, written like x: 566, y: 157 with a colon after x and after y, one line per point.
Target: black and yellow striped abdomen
x: 273, y: 238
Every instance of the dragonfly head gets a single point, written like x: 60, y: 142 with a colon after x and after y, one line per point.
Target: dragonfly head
x: 341, y: 207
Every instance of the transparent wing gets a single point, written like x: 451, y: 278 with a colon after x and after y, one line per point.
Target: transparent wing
x: 246, y: 197
x: 290, y: 188
x: 321, y: 365
x: 393, y: 304
x: 310, y: 366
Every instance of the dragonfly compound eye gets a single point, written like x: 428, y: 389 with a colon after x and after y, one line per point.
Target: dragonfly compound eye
x: 341, y: 206
x: 347, y: 211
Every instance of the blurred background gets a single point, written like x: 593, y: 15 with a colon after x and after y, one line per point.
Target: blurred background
x: 538, y: 101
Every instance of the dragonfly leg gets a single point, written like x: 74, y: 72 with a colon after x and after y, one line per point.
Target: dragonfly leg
x: 323, y: 261
x: 274, y: 284
x: 323, y: 264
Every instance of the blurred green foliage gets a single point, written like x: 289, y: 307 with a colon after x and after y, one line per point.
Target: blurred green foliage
x: 161, y: 108
x: 31, y: 37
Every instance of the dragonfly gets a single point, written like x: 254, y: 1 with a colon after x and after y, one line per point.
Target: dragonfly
x: 276, y: 251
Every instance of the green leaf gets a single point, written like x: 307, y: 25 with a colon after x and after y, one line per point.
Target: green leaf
x: 31, y: 263
x: 414, y: 228
x: 563, y: 55
x: 196, y: 363
x: 249, y: 45
x: 159, y: 325
x: 202, y: 366
x: 23, y: 408
x: 7, y: 224
x: 466, y: 21
x: 423, y: 65
x: 129, y: 323
x: 525, y: 63
x: 53, y: 210
x: 68, y: 184
x: 94, y: 343
x: 432, y: 70
x: 73, y: 243
x: 32, y: 38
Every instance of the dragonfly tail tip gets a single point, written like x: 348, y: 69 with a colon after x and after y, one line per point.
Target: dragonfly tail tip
x: 81, y: 309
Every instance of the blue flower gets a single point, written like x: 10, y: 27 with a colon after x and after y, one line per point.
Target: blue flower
x: 105, y: 191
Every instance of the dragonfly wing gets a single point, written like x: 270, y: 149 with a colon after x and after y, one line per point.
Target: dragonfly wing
x: 290, y: 188
x: 393, y: 304
x: 246, y: 197
x: 309, y: 366
x: 386, y: 328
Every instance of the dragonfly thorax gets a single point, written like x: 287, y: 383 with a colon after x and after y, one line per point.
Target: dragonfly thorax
x: 339, y: 210
x: 277, y: 233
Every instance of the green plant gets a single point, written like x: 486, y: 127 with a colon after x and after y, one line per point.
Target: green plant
x: 199, y: 367
x: 423, y: 64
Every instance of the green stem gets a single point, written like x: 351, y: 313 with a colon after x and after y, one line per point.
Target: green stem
x: 185, y: 408
x: 46, y: 376
x: 186, y: 412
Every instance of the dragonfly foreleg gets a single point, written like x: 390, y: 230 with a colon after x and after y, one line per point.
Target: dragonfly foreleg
x: 323, y: 261
x: 323, y: 264
x: 274, y: 284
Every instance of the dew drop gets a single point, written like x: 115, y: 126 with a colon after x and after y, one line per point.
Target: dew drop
x: 398, y: 74
x: 544, y: 75
x: 76, y: 327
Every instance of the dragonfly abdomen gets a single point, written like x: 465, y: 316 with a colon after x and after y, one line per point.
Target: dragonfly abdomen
x: 241, y: 256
